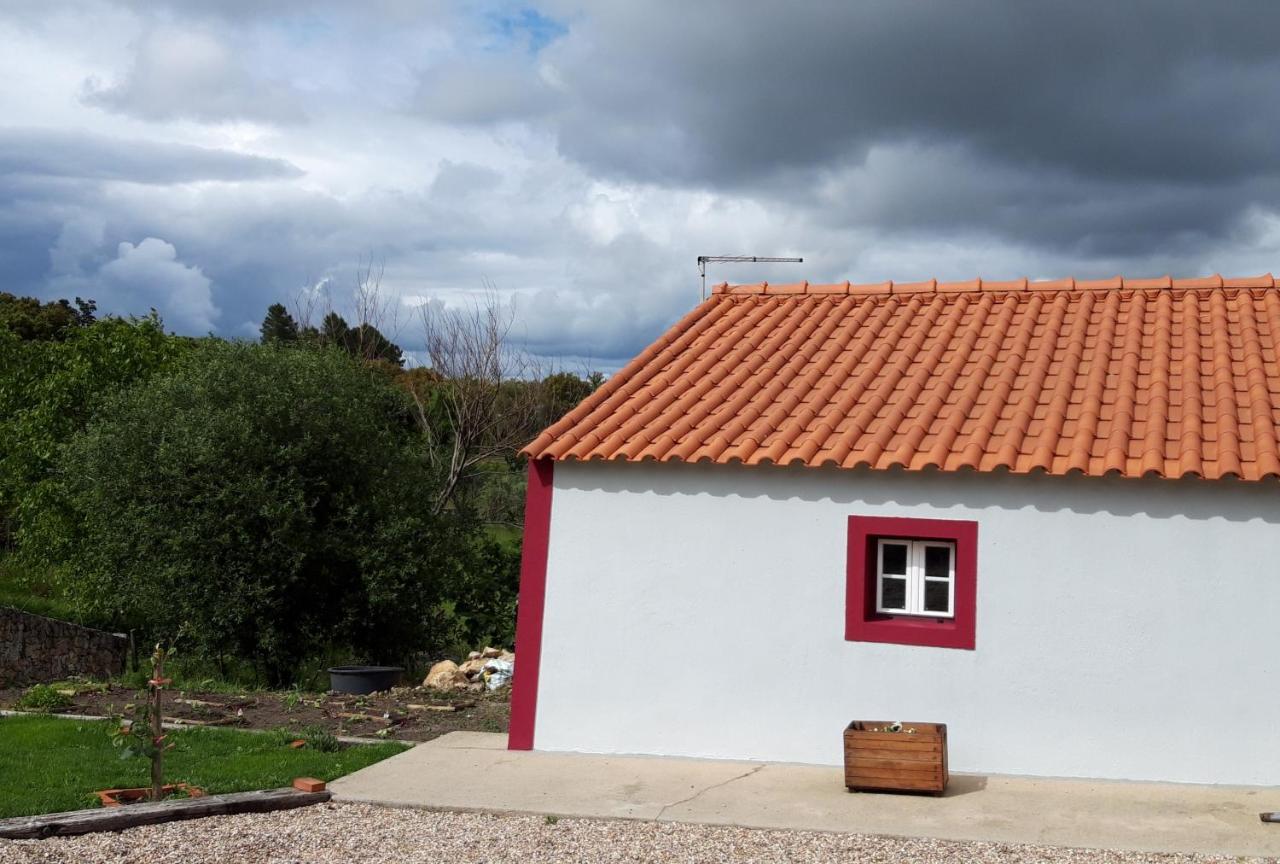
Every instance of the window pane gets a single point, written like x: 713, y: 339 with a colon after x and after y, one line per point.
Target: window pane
x: 936, y: 596
x: 893, y: 593
x: 894, y: 559
x: 937, y: 562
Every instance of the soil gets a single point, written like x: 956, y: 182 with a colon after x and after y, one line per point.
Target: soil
x: 403, y: 713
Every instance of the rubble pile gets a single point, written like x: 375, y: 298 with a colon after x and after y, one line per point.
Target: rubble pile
x: 490, y: 669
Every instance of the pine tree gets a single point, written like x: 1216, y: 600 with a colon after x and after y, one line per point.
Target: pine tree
x: 368, y: 343
x: 334, y: 330
x: 279, y: 325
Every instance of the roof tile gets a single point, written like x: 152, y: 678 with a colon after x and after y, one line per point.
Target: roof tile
x: 1139, y: 377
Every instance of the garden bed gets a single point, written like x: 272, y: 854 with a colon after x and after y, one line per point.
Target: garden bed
x: 409, y: 714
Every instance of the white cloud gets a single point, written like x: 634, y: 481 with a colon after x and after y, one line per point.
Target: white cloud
x: 190, y: 73
x: 140, y: 277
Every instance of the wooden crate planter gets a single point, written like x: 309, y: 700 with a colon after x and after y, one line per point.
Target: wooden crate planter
x: 895, y: 761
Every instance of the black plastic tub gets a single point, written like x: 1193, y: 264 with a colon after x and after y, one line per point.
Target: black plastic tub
x: 360, y: 680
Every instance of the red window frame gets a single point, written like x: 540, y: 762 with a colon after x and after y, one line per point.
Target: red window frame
x: 864, y: 624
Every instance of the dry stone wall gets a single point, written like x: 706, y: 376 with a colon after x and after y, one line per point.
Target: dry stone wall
x: 34, y: 649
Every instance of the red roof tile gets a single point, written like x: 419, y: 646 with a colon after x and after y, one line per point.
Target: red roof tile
x: 1164, y: 377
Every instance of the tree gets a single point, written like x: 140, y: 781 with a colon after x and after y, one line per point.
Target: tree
x: 278, y: 326
x: 367, y: 342
x: 562, y: 391
x: 483, y: 407
x: 334, y: 330
x: 50, y: 389
x: 364, y: 340
x: 30, y: 320
x: 259, y: 503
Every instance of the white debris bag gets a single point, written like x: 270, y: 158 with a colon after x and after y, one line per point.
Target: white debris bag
x: 498, y: 672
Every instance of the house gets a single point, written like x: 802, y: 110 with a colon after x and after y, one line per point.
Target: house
x: 1046, y: 514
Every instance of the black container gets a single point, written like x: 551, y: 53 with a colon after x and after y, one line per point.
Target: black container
x: 359, y: 680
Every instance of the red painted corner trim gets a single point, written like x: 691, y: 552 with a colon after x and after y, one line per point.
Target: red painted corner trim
x: 864, y: 624
x: 533, y: 594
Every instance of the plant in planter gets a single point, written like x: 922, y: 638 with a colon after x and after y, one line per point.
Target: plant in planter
x: 145, y: 737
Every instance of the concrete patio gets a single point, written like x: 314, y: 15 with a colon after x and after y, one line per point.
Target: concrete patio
x: 475, y: 771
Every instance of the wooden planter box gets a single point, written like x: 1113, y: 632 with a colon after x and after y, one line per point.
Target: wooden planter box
x: 895, y: 761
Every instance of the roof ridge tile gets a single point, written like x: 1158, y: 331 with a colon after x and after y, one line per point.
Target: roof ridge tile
x: 1113, y: 283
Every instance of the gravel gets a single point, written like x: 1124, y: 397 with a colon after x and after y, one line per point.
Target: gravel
x: 362, y: 833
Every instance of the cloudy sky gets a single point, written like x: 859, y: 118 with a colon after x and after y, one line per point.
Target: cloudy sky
x: 209, y: 158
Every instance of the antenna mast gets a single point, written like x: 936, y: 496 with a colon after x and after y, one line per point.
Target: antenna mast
x: 703, y: 259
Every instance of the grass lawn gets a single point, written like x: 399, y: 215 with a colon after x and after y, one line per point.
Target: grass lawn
x: 48, y: 765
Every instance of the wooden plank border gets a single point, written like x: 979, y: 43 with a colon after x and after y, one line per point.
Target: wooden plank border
x: 154, y: 813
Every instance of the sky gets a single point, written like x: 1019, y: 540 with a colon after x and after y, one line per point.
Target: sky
x: 572, y: 160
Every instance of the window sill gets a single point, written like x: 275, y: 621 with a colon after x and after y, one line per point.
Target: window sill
x: 910, y: 630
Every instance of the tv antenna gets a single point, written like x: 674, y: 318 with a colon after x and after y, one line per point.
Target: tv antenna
x: 754, y: 259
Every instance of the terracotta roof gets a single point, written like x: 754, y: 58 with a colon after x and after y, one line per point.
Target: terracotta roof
x: 1164, y: 377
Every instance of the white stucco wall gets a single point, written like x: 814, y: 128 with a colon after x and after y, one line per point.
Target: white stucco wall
x: 1125, y: 629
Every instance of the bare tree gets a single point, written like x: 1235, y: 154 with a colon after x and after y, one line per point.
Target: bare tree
x: 377, y: 315
x: 307, y: 300
x: 487, y: 389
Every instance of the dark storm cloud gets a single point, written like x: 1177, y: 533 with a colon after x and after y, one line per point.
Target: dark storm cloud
x: 74, y: 155
x: 1095, y: 129
x: 725, y: 92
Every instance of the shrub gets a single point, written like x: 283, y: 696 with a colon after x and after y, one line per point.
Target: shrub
x: 43, y: 697
x: 259, y: 501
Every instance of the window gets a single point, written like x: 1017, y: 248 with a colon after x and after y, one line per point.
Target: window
x: 915, y: 577
x: 911, y: 581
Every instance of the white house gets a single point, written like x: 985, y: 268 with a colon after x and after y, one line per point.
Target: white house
x: 1045, y: 514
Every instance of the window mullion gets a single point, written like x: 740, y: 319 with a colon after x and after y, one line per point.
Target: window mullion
x: 915, y: 580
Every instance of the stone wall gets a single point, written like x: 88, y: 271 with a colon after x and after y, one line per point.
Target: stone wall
x: 34, y: 649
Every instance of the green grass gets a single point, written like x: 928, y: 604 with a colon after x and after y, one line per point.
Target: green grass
x: 49, y: 765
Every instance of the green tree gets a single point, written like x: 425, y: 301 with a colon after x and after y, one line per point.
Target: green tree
x: 30, y: 320
x: 367, y: 342
x: 50, y: 389
x: 278, y: 325
x: 263, y: 502
x: 333, y: 330
x: 364, y: 340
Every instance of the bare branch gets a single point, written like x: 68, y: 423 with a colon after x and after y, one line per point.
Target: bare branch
x: 488, y: 389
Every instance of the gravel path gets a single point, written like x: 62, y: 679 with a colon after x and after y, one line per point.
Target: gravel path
x: 361, y: 833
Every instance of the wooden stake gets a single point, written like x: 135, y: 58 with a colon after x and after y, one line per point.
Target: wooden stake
x: 157, y: 727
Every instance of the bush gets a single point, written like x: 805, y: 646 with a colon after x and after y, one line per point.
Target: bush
x: 261, y: 502
x: 480, y: 600
x: 44, y: 698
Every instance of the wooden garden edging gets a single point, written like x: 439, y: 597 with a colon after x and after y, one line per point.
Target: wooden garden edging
x: 154, y: 813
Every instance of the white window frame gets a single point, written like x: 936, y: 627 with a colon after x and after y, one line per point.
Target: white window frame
x: 915, y: 577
